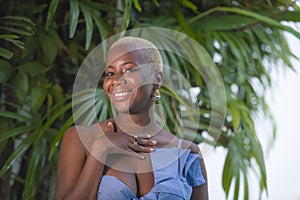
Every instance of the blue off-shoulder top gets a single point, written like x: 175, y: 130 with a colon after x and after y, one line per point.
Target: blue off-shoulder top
x: 176, y: 171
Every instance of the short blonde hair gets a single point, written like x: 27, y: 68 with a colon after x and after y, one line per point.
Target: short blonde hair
x: 146, y: 49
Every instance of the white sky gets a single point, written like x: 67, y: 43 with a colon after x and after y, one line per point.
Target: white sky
x: 283, y: 158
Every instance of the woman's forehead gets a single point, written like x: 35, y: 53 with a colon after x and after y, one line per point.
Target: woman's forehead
x: 132, y: 56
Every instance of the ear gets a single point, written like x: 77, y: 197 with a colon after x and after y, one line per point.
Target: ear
x: 159, y: 78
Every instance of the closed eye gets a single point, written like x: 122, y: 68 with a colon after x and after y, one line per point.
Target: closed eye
x: 130, y: 70
x: 133, y: 69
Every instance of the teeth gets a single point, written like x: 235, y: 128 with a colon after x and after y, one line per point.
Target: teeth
x: 120, y: 94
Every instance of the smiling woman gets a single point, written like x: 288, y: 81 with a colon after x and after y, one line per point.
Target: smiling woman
x: 132, y: 157
x: 129, y: 78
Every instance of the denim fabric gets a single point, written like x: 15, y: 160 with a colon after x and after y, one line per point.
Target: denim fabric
x: 175, y: 170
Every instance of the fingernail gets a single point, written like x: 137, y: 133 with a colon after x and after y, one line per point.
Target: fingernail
x: 154, y: 142
x: 148, y: 136
x: 109, y: 123
x: 151, y: 149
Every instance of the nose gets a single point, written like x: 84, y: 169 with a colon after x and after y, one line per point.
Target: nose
x: 119, y: 80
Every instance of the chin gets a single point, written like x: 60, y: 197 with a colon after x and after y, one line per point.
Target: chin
x: 125, y: 109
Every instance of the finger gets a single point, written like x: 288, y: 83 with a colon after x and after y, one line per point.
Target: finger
x: 144, y: 136
x: 134, y: 154
x: 134, y: 139
x: 146, y: 142
x: 112, y: 126
x: 141, y: 149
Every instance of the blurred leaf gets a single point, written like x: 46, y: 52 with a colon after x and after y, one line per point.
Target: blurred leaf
x: 51, y: 117
x: 5, y: 125
x: 21, y: 87
x: 88, y: 24
x: 293, y: 16
x: 36, y: 166
x: 237, y: 187
x: 254, y: 15
x: 227, y: 176
x: 51, y: 13
x: 15, y: 42
x: 6, y: 53
x: 49, y: 48
x: 9, y: 37
x: 21, y: 25
x: 32, y: 68
x: 228, y: 22
x: 59, y: 137
x: 14, y: 132
x: 16, y: 24
x: 57, y: 93
x: 101, y: 6
x: 101, y: 29
x: 17, y: 31
x: 24, y: 19
x: 189, y: 4
x: 18, y: 152
x: 38, y: 95
x: 5, y: 71
x: 126, y: 15
x: 182, y: 21
x: 259, y: 157
x: 156, y: 3
x: 74, y: 14
x: 137, y: 5
x: 12, y: 115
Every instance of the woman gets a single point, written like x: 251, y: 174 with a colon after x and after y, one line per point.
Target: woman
x: 130, y: 156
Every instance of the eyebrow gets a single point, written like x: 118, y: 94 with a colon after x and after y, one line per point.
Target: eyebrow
x: 125, y: 63
x: 128, y: 63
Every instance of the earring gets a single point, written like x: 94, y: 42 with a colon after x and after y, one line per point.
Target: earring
x: 155, y: 95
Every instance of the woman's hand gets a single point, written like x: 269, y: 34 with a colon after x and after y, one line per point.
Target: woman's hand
x: 114, y: 142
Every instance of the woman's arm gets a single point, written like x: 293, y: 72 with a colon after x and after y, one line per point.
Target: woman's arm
x: 80, y: 169
x: 78, y: 173
x: 201, y: 192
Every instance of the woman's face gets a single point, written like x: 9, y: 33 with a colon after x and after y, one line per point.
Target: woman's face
x: 129, y: 83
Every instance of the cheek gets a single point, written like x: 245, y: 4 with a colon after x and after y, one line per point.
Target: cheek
x: 106, y: 86
x: 145, y: 85
x: 144, y: 79
x: 144, y: 92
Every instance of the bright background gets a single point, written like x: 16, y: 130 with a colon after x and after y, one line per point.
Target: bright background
x: 282, y: 157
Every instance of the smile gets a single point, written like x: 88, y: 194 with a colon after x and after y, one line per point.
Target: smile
x: 121, y: 94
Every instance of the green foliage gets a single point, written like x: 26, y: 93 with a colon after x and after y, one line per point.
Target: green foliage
x: 44, y: 42
x: 12, y: 27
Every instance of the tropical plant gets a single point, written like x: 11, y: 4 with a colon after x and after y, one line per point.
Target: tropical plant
x: 43, y: 44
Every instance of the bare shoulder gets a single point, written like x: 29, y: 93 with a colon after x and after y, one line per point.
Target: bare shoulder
x: 166, y: 139
x: 74, y: 132
x: 172, y: 140
x: 71, y: 138
x: 71, y: 134
x: 82, y: 136
x: 187, y: 144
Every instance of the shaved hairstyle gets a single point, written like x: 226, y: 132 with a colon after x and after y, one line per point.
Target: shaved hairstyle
x: 146, y: 49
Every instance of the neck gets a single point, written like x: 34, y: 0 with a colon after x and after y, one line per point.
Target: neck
x: 138, y: 123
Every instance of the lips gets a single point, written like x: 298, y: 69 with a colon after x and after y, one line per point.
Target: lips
x: 120, y: 95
